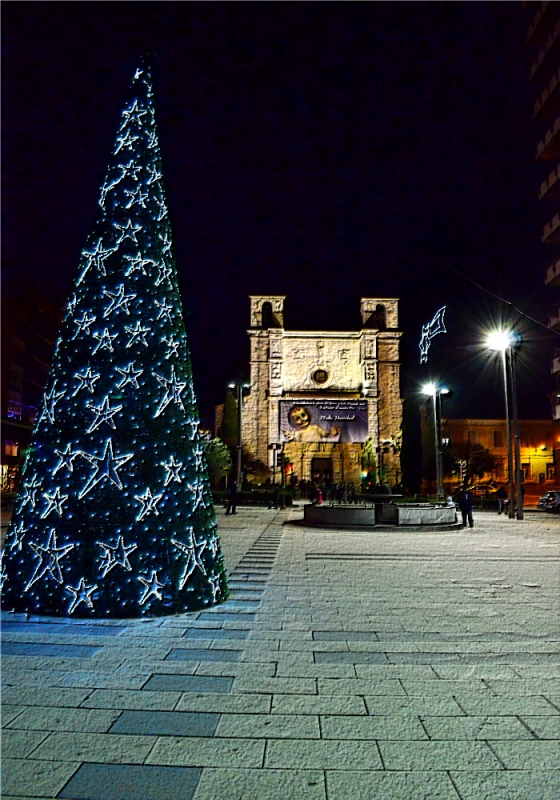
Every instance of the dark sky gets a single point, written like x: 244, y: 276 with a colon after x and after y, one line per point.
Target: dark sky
x: 325, y: 151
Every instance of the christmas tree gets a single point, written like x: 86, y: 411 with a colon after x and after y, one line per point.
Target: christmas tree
x: 115, y: 515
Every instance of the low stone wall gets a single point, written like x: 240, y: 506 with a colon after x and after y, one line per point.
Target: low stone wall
x: 339, y: 516
x: 426, y: 515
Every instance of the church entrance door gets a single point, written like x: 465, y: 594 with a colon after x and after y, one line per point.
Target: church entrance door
x: 322, y: 470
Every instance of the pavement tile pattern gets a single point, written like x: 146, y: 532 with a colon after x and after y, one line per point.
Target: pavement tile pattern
x: 346, y: 665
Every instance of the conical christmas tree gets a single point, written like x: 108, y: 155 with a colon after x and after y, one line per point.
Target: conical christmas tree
x: 115, y: 516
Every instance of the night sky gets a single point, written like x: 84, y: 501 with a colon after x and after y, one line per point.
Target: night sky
x: 325, y: 151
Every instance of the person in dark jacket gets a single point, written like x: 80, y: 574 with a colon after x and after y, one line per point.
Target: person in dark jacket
x: 232, y: 498
x: 465, y: 504
x: 502, y: 496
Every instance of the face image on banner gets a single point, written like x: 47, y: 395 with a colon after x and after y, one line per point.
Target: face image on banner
x: 323, y: 421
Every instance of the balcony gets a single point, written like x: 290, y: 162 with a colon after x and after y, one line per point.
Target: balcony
x: 554, y: 320
x: 539, y: 27
x: 548, y: 53
x: 546, y: 107
x: 551, y: 232
x: 548, y: 149
x: 550, y: 188
x: 552, y: 277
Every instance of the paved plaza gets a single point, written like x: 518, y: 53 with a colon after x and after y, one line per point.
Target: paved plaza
x: 376, y: 664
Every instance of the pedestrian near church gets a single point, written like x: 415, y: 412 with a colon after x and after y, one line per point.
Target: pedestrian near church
x: 466, y: 506
x: 502, y: 496
x: 232, y: 498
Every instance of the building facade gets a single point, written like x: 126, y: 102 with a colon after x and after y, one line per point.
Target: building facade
x: 317, y: 397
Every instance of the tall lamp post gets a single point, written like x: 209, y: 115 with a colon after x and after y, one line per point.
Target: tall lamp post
x: 435, y: 392
x: 239, y: 392
x: 504, y: 342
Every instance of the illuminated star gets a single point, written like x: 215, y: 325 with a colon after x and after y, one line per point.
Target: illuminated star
x: 55, y: 502
x: 119, y: 302
x: 49, y: 402
x: 116, y: 556
x: 174, y: 388
x: 125, y: 142
x: 129, y: 231
x: 50, y: 559
x: 165, y: 310
x: 134, y: 113
x: 198, y: 453
x: 437, y: 325
x: 86, y: 381
x: 66, y: 458
x: 3, y: 573
x: 173, y: 347
x: 106, y: 467
x: 193, y: 554
x: 130, y: 375
x: 84, y: 324
x: 152, y: 587
x: 154, y: 175
x: 165, y: 274
x: 81, y: 594
x: 15, y: 539
x: 137, y: 196
x: 104, y: 341
x: 30, y: 492
x: 162, y: 209
x: 138, y: 264
x: 213, y: 545
x: 72, y: 305
x: 152, y: 140
x: 198, y: 489
x: 166, y: 247
x: 97, y: 258
x: 138, y: 73
x: 137, y: 334
x: 104, y: 413
x: 131, y: 169
x: 173, y: 470
x: 149, y: 504
x: 214, y: 583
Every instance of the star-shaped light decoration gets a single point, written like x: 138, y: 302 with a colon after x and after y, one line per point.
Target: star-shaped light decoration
x: 149, y: 504
x: 198, y: 490
x: 72, y: 303
x: 165, y: 274
x: 137, y: 334
x: 173, y: 347
x: 214, y: 583
x: 174, y: 389
x: 49, y: 402
x: 130, y: 375
x: 116, y: 556
x: 103, y: 413
x: 134, y: 114
x: 50, y: 557
x: 30, y: 490
x: 165, y: 310
x: 137, y: 264
x: 96, y: 258
x: 119, y: 301
x: 193, y: 553
x: 66, y: 458
x: 131, y: 169
x: 173, y: 469
x: 106, y: 468
x: 128, y: 231
x: 125, y: 142
x: 106, y: 188
x: 15, y: 539
x: 87, y: 381
x: 153, y: 587
x: 54, y: 503
x: 137, y: 196
x: 80, y: 594
x: 104, y: 341
x: 166, y: 246
x: 152, y: 140
x: 84, y: 324
x: 155, y: 175
x: 162, y: 210
x: 198, y: 452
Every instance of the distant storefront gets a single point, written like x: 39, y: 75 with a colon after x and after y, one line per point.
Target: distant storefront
x: 320, y: 397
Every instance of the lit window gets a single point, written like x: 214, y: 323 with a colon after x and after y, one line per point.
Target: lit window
x: 14, y: 410
x: 11, y: 448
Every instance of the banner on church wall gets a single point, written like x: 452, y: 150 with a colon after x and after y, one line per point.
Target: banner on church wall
x: 329, y: 421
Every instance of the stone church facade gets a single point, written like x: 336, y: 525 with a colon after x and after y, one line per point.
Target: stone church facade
x: 319, y: 396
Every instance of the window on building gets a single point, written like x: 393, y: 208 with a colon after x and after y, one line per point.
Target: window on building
x: 11, y: 448
x: 446, y: 441
x: 526, y: 470
x: 498, y: 438
x: 550, y: 472
x: 14, y: 410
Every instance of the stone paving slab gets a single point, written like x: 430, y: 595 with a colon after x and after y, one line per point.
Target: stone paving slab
x: 365, y: 665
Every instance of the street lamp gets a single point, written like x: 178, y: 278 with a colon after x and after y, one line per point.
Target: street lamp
x: 435, y: 392
x: 505, y: 342
x: 239, y: 391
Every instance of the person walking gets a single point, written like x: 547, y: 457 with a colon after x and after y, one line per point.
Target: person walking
x: 466, y: 506
x: 502, y: 496
x: 232, y: 498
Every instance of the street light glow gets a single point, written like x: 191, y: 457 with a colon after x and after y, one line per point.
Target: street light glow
x: 429, y: 388
x: 499, y: 340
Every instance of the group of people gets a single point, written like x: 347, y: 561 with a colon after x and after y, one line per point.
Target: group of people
x: 320, y: 493
x: 464, y: 499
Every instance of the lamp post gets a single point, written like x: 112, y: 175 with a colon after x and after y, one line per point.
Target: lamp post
x: 504, y: 342
x: 435, y: 392
x: 239, y: 392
